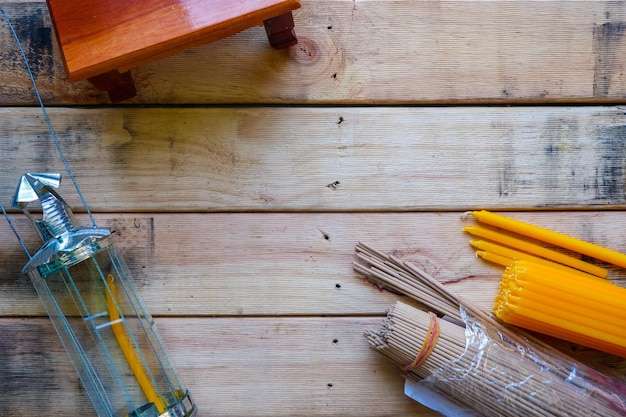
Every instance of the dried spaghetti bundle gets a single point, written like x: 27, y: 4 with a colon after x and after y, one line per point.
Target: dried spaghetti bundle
x: 476, y: 362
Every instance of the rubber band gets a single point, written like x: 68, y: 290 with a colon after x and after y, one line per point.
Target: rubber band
x: 427, y: 346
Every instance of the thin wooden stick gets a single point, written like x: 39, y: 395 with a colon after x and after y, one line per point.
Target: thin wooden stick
x: 490, y: 369
x: 500, y: 383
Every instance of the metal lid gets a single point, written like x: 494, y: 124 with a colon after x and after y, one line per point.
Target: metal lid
x: 65, y: 243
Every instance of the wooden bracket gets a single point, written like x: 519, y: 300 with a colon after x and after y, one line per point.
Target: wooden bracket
x: 120, y: 86
x: 280, y: 31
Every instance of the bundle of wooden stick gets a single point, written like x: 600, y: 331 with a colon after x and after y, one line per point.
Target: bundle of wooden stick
x: 474, y: 360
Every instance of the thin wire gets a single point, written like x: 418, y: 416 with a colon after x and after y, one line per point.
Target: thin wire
x: 45, y: 115
x: 6, y: 216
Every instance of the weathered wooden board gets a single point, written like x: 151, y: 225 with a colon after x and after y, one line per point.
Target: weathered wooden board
x: 239, y: 222
x: 326, y: 159
x: 400, y: 51
x: 293, y: 264
x: 233, y: 367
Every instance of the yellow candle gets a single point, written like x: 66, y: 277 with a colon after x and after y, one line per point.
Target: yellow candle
x: 574, y: 327
x: 555, y: 331
x: 549, y: 236
x: 492, y: 257
x: 584, y: 328
x: 127, y: 349
x: 548, y: 300
x: 538, y: 250
x: 576, y: 309
x: 569, y: 283
x: 515, y: 254
x: 560, y: 289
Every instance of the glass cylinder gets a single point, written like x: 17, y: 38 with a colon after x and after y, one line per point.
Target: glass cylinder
x: 87, y: 291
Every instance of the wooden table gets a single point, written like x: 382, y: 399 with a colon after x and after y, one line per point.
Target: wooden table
x: 101, y: 40
x: 239, y: 179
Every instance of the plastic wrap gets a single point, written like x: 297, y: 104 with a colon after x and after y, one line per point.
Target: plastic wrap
x: 473, y: 363
x: 503, y: 373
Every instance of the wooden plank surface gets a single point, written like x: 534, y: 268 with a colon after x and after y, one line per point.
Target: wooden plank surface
x: 233, y: 367
x: 327, y: 159
x: 258, y: 264
x: 240, y: 179
x: 420, y: 52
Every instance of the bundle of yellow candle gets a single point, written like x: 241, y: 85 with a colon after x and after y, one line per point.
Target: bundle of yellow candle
x: 582, y: 310
x: 552, y: 293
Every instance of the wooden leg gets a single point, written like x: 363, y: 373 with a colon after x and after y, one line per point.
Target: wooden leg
x: 119, y: 86
x: 280, y: 31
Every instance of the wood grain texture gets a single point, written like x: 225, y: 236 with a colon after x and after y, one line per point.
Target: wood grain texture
x: 328, y: 159
x: 417, y: 52
x: 96, y: 37
x: 233, y: 367
x: 259, y: 264
x: 240, y: 178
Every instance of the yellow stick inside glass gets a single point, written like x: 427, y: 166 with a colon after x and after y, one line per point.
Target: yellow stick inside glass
x: 127, y: 349
x: 89, y: 295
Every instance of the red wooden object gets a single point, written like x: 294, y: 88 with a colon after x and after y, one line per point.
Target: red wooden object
x: 101, y: 40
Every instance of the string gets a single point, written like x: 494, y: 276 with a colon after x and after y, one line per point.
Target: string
x: 12, y: 226
x: 45, y: 115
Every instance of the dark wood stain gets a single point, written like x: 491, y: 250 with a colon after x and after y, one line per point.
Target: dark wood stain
x: 27, y: 348
x: 607, y: 38
x: 609, y: 176
x: 135, y: 240
x: 557, y: 134
x: 35, y: 33
x: 507, y: 178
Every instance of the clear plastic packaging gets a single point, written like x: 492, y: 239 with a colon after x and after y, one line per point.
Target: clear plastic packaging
x: 502, y: 373
x: 473, y: 363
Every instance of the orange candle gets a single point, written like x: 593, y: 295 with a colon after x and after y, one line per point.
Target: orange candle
x: 549, y: 236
